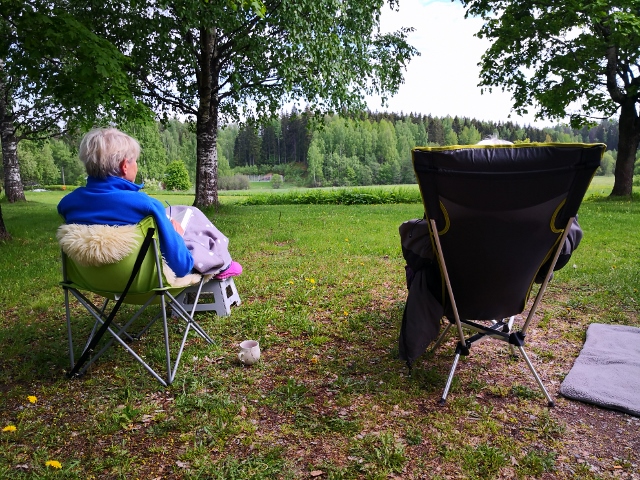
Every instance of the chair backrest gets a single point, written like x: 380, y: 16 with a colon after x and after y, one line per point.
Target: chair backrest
x: 500, y: 212
x: 110, y: 279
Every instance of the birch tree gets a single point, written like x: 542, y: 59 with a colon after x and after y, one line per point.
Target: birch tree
x: 226, y: 60
x: 54, y: 74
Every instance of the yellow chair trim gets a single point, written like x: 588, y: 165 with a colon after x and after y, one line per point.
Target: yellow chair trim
x: 552, y: 225
x: 515, y: 145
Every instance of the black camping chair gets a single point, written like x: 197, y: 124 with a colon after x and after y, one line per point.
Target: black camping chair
x: 496, y: 214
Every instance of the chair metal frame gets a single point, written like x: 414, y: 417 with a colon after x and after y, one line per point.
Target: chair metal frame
x: 498, y: 329
x: 104, y: 316
x: 501, y: 329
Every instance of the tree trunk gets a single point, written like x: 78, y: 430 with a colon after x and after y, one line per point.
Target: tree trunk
x: 4, y: 234
x: 12, y: 180
x: 207, y: 122
x: 627, y: 147
x: 207, y: 169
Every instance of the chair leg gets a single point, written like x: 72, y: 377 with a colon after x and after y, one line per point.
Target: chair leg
x: 178, y: 310
x: 440, y: 338
x: 69, y: 332
x: 459, y: 351
x: 535, y: 374
x: 165, y: 329
x: 450, y: 379
x: 120, y: 334
x: 463, y: 349
x: 171, y: 369
x: 116, y: 336
x: 510, y: 326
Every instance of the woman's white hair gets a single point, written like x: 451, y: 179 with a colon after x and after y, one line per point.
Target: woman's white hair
x: 494, y: 140
x: 102, y: 150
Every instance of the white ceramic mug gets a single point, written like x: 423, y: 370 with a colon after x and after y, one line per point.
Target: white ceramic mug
x: 249, y: 352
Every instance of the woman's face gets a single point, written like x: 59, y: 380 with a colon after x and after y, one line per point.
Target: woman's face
x: 129, y: 169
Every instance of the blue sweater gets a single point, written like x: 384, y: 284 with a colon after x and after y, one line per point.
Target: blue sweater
x: 117, y: 201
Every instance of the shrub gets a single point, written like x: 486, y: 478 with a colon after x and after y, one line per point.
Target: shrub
x: 276, y: 181
x: 177, y: 176
x: 235, y: 182
x: 338, y: 196
x: 152, y: 184
x: 58, y: 188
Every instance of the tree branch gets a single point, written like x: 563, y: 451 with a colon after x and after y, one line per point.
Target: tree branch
x: 153, y: 91
x: 617, y: 95
x: 258, y: 83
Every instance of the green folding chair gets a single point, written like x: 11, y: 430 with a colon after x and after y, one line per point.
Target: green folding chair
x: 121, y: 265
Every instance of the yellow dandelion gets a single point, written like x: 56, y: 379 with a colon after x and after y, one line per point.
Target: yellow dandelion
x: 346, y: 313
x: 9, y: 428
x: 291, y: 282
x: 314, y: 359
x: 346, y: 239
x: 53, y: 464
x: 311, y: 280
x: 32, y: 398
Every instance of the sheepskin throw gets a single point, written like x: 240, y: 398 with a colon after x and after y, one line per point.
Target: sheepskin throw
x: 95, y: 245
x: 186, y: 281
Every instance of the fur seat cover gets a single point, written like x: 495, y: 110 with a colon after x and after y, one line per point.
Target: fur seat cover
x: 95, y: 245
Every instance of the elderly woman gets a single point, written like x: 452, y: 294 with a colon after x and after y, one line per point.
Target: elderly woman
x: 112, y: 198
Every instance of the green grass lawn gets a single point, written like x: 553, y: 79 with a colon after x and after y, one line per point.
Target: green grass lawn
x: 601, y: 185
x: 323, y: 291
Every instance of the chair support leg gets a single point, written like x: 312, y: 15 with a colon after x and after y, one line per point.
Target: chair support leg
x: 99, y: 313
x: 69, y: 335
x: 165, y: 329
x: 116, y: 336
x: 441, y: 338
x: 535, y: 374
x: 461, y: 349
x: 177, y: 361
x: 450, y: 379
x: 179, y: 311
x: 511, y: 347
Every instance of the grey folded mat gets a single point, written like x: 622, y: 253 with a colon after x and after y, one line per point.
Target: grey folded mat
x: 607, y: 371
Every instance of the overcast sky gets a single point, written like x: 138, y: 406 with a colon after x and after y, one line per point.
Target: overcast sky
x: 443, y: 79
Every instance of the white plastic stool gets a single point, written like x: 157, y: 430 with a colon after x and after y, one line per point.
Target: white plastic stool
x: 223, y: 293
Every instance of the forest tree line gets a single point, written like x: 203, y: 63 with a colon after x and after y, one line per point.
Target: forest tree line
x: 373, y: 149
